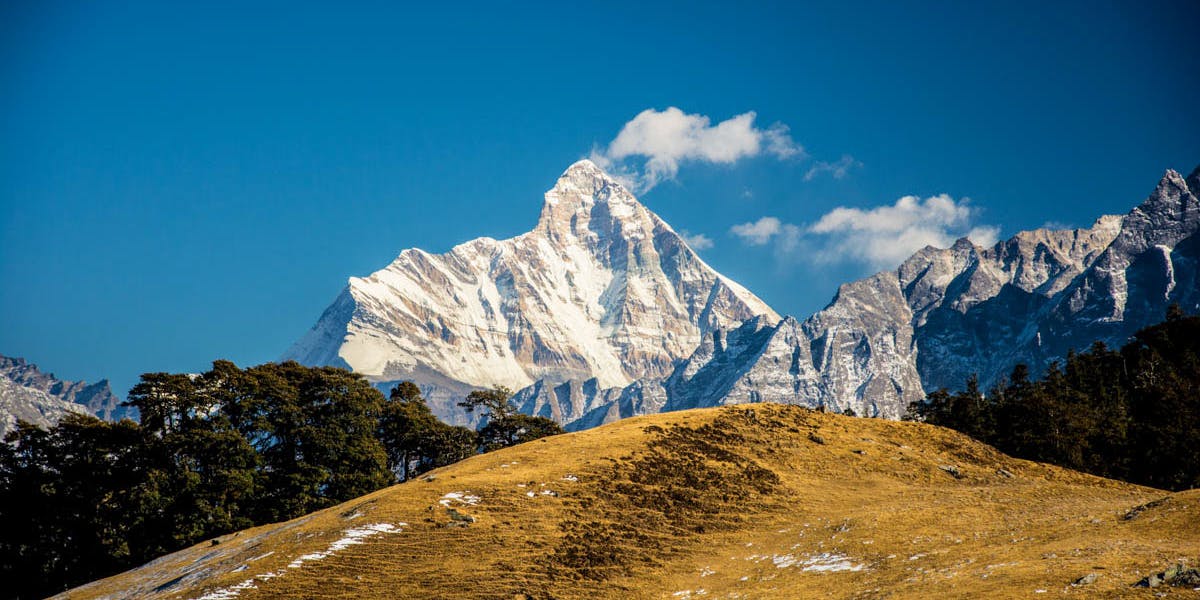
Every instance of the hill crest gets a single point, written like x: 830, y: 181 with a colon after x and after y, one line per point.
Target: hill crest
x: 749, y: 501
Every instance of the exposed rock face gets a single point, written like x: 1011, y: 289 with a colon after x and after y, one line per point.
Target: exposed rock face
x: 602, y: 289
x: 970, y: 304
x: 942, y: 316
x: 29, y: 394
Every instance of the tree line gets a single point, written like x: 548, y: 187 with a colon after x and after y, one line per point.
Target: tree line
x: 1131, y: 414
x: 214, y: 453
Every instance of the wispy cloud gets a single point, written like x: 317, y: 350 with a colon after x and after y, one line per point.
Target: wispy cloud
x: 697, y: 241
x: 759, y: 232
x: 837, y: 169
x: 650, y: 148
x: 879, y: 237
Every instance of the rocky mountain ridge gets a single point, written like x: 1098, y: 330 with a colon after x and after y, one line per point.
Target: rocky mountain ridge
x: 28, y: 393
x: 942, y: 316
x: 603, y: 312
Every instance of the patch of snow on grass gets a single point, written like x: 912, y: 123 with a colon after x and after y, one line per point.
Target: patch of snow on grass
x: 460, y: 497
x: 827, y: 562
x: 570, y: 477
x: 230, y: 592
x: 351, y: 537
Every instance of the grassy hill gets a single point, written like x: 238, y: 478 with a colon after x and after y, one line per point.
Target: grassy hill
x: 749, y: 501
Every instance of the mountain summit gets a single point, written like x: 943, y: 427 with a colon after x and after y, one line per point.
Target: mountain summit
x: 602, y: 288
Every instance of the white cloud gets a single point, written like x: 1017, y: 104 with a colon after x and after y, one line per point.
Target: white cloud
x: 984, y: 235
x: 663, y: 140
x: 697, y: 241
x: 759, y: 232
x: 837, y: 169
x: 879, y: 237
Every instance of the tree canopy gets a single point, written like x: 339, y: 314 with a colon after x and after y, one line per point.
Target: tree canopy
x: 217, y: 452
x: 503, y: 425
x: 1130, y: 414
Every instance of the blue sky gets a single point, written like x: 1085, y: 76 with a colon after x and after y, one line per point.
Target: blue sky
x: 190, y: 182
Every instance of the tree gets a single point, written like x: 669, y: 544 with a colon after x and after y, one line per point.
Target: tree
x: 415, y: 440
x: 505, y: 426
x: 322, y: 445
x: 71, y: 504
x: 515, y: 429
x: 1131, y: 415
x: 492, y: 404
x: 220, y: 451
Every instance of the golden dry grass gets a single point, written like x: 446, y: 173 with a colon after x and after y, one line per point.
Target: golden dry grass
x: 748, y: 501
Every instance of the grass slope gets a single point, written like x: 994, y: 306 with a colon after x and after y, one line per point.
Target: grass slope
x: 749, y: 501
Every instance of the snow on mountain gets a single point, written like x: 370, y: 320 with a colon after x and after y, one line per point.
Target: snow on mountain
x: 601, y: 290
x: 942, y: 316
x: 29, y: 394
x: 603, y: 312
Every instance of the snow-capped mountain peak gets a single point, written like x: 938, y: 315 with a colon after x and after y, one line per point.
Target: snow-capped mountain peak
x: 586, y: 204
x: 601, y: 288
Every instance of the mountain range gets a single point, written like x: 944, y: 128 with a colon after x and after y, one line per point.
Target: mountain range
x: 29, y: 394
x: 604, y: 312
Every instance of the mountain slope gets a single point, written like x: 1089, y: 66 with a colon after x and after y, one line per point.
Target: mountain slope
x: 756, y: 501
x: 29, y: 394
x: 942, y: 316
x: 601, y: 288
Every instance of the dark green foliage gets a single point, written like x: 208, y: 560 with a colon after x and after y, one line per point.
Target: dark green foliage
x: 1132, y: 414
x: 515, y: 429
x: 505, y: 426
x: 215, y: 453
x: 72, y: 489
x: 491, y: 404
x: 415, y: 439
